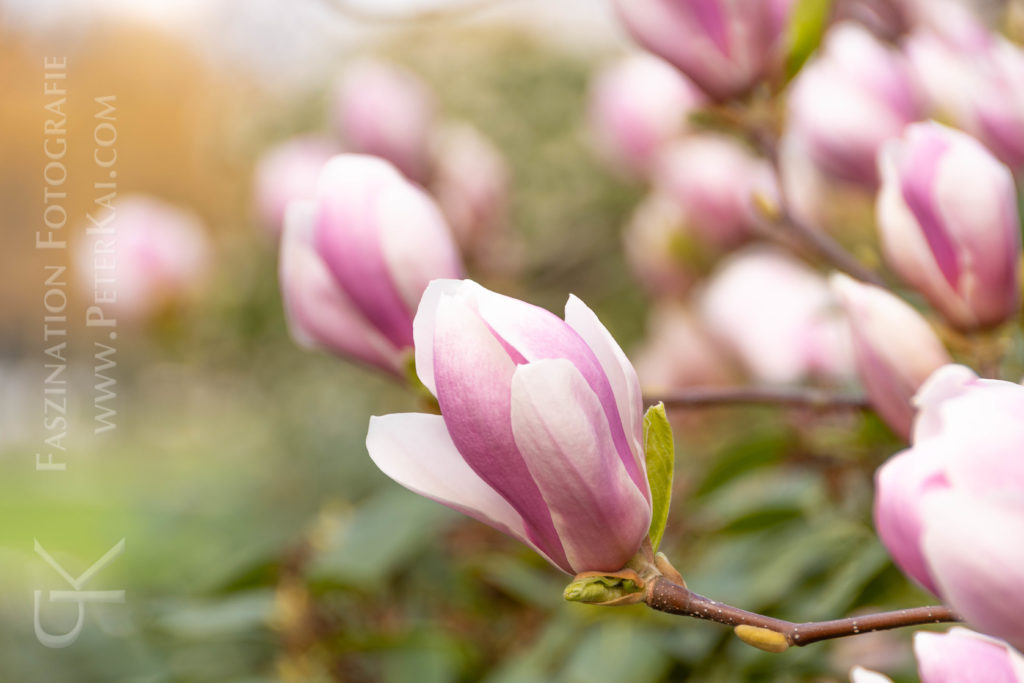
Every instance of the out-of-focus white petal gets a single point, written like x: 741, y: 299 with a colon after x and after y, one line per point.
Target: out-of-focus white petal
x: 416, y: 451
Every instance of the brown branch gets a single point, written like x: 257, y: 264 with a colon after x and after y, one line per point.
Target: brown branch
x: 666, y: 596
x: 802, y: 397
x: 825, y: 247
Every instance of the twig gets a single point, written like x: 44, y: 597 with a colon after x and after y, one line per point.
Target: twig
x: 825, y: 247
x: 777, y: 634
x: 803, y: 397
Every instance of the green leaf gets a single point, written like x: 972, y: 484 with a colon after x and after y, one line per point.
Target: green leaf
x: 616, y: 650
x: 659, y: 449
x: 386, y: 532
x: 806, y: 26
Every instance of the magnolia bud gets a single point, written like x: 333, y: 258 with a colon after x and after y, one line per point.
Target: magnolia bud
x: 778, y: 316
x: 355, y: 261
x: 848, y: 100
x: 714, y: 181
x: 384, y: 110
x: 636, y: 106
x: 289, y: 172
x: 894, y: 348
x: 947, y: 213
x: 724, y: 46
x: 142, y: 256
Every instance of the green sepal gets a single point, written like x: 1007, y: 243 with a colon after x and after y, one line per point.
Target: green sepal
x: 659, y: 450
x: 807, y: 24
x: 599, y: 589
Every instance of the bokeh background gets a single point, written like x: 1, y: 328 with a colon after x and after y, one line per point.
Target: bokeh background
x: 261, y: 543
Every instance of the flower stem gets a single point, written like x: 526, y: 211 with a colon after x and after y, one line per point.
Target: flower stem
x: 666, y: 596
x: 803, y: 397
x: 827, y: 248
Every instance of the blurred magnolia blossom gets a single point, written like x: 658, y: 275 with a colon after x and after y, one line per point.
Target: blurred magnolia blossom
x: 853, y: 96
x: 951, y: 508
x: 947, y: 213
x: 975, y: 79
x: 957, y: 656
x: 817, y: 198
x: 142, y: 256
x: 288, y: 172
x: 957, y: 21
x: 540, y: 432
x: 677, y: 352
x: 356, y: 259
x: 895, y: 349
x: 470, y: 183
x: 714, y: 181
x: 661, y: 249
x: 779, y: 317
x: 637, y: 105
x: 384, y: 110
x: 724, y: 46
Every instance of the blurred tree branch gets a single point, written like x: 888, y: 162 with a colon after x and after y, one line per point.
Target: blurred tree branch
x: 800, y: 397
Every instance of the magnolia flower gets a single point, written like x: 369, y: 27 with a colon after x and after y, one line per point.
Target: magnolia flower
x: 288, y: 172
x: 678, y: 352
x: 951, y: 508
x: 715, y: 180
x: 637, y: 105
x: 958, y: 656
x: 724, y: 46
x: 894, y: 347
x: 778, y: 317
x: 142, y: 256
x: 357, y: 258
x: 847, y: 101
x: 660, y: 246
x: 385, y: 110
x: 540, y: 428
x: 947, y: 213
x: 470, y: 183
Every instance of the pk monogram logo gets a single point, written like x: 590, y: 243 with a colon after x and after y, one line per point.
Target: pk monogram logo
x: 77, y: 595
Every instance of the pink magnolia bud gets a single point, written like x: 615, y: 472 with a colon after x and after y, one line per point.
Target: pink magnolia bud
x: 951, y: 508
x: 848, y: 100
x: 894, y: 347
x: 778, y: 317
x: 945, y: 58
x: 714, y: 181
x: 678, y: 353
x: 356, y: 259
x: 636, y: 106
x: 660, y: 247
x: 724, y: 46
x: 973, y: 77
x: 963, y: 655
x: 947, y: 213
x: 470, y: 184
x: 288, y: 172
x: 142, y: 256
x: 998, y: 111
x: 384, y: 110
x: 540, y: 428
